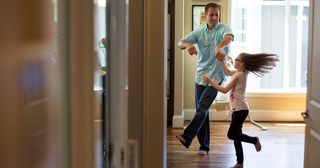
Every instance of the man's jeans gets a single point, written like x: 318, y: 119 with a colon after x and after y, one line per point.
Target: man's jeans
x: 199, y: 125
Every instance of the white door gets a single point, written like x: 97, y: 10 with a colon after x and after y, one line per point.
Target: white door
x: 312, y: 114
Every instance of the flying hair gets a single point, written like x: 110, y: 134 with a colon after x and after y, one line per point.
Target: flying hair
x: 260, y: 63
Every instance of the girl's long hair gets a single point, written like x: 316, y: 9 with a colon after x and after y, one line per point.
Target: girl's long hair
x: 260, y: 63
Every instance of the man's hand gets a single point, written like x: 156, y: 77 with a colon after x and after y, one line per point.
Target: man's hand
x: 220, y: 54
x: 184, y: 45
x: 192, y: 50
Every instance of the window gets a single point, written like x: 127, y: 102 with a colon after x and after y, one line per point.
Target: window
x: 273, y: 26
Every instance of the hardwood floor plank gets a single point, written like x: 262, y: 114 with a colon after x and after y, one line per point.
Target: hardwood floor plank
x: 282, y: 147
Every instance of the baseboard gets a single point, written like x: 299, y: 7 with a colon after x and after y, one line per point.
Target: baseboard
x: 257, y: 115
x: 177, y: 121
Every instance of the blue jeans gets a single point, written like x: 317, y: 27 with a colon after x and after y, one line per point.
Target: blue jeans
x: 199, y: 125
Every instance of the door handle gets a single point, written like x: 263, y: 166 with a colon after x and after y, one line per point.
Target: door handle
x: 305, y: 114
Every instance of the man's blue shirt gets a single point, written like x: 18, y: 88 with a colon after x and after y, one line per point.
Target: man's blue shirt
x: 207, y: 40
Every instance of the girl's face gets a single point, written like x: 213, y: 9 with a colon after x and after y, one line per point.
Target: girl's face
x: 239, y: 65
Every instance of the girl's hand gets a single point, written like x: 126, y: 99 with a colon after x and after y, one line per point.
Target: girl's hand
x: 206, y: 79
x: 220, y: 54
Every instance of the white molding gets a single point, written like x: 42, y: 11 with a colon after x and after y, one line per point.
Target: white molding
x: 179, y: 59
x: 257, y: 115
x: 214, y: 115
x: 276, y: 95
x: 177, y: 121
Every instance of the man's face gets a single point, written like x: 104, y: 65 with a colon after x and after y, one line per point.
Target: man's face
x: 212, y: 17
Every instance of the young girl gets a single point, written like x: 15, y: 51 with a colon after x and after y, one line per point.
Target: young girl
x: 258, y: 64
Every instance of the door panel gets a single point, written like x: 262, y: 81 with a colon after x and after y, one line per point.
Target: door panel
x: 312, y: 117
x: 314, y: 114
x: 313, y: 159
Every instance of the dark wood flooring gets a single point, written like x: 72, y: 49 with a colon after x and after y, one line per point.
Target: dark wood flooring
x: 282, y: 147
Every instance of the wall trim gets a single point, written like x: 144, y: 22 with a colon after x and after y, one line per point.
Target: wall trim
x: 177, y: 121
x: 257, y: 115
x: 270, y: 93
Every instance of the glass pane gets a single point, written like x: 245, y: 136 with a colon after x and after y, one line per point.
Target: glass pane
x: 100, y: 77
x: 275, y: 28
x: 304, y: 45
x: 272, y: 40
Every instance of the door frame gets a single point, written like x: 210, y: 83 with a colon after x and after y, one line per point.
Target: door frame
x: 154, y: 102
x: 79, y: 69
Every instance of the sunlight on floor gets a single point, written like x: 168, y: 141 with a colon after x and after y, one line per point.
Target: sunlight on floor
x: 292, y: 124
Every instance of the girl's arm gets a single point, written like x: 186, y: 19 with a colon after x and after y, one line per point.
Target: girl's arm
x: 226, y: 70
x: 224, y: 42
x: 221, y: 59
x: 222, y: 89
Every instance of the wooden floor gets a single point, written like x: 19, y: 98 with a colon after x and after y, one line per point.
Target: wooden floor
x: 282, y: 147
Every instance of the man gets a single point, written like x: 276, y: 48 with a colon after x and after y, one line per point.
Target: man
x: 211, y: 39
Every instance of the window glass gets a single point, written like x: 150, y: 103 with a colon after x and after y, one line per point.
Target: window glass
x: 273, y: 27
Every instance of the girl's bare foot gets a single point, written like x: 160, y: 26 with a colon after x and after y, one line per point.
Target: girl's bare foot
x: 203, y: 153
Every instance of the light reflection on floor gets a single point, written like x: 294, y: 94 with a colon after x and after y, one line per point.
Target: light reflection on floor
x: 292, y: 124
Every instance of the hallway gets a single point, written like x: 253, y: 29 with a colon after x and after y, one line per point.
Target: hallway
x: 282, y: 147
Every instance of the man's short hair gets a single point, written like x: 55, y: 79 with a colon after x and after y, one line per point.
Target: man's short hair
x: 212, y: 5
